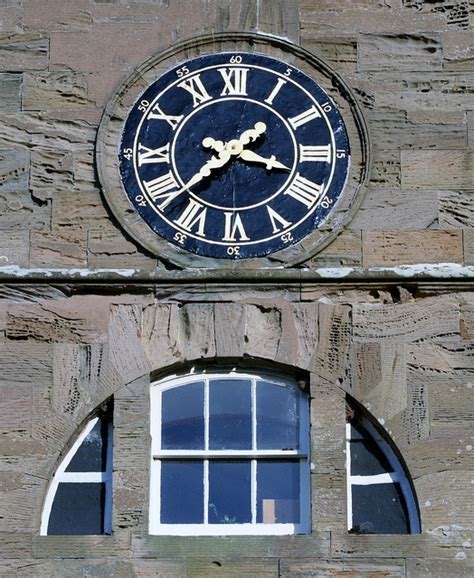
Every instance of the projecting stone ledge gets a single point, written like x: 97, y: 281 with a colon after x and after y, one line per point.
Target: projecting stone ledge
x: 420, y: 272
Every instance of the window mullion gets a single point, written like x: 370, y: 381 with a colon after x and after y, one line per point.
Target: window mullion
x: 253, y: 463
x: 206, y: 491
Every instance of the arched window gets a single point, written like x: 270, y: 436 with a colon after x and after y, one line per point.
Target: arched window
x: 79, y: 499
x: 230, y: 455
x: 380, y: 496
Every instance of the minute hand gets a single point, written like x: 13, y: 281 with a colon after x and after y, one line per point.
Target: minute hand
x: 271, y: 163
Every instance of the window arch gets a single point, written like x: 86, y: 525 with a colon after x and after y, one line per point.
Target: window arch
x: 230, y: 455
x: 380, y: 495
x: 79, y: 498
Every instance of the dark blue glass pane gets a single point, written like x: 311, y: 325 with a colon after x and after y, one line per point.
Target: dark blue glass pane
x: 182, y: 490
x: 230, y: 417
x: 183, y: 417
x: 277, y: 417
x: 366, y: 456
x: 379, y: 509
x: 229, y: 492
x: 278, y: 490
x: 78, y: 509
x: 92, y: 453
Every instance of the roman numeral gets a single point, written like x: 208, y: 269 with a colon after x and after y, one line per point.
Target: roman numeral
x: 159, y: 155
x: 161, y: 188
x: 275, y: 91
x: 235, y: 81
x: 315, y: 153
x: 276, y: 218
x: 157, y: 114
x: 196, y: 89
x: 304, y: 191
x: 193, y: 214
x: 233, y: 226
x: 304, y: 117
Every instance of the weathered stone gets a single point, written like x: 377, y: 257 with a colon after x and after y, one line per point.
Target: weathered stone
x: 66, y: 247
x: 386, y: 207
x: 439, y: 169
x: 10, y: 92
x: 37, y: 130
x: 279, y: 17
x: 345, y: 251
x: 54, y: 15
x: 51, y: 170
x: 108, y: 248
x: 392, y: 248
x: 339, y: 53
x: 456, y: 209
x: 78, y: 208
x: 14, y: 165
x: 233, y: 568
x: 405, y: 322
x: 14, y: 247
x: 317, y: 568
x: 23, y: 52
x: 400, y: 51
x: 54, y: 91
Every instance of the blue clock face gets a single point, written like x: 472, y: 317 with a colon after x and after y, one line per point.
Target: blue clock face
x: 234, y: 156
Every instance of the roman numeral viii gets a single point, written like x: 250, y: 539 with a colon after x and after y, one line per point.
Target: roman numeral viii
x: 304, y: 191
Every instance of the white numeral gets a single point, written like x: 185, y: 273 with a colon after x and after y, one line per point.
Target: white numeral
x: 235, y: 80
x: 196, y: 88
x: 275, y: 91
x: 304, y: 117
x: 304, y: 191
x: 159, y: 155
x: 315, y: 153
x: 276, y: 218
x: 193, y: 214
x: 157, y: 114
x: 233, y: 226
x: 161, y: 188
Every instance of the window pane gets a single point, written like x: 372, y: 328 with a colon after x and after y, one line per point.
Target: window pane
x: 183, y: 417
x: 78, y: 509
x: 278, y: 489
x: 182, y: 492
x: 277, y: 417
x: 92, y: 453
x: 366, y: 456
x: 379, y: 509
x: 229, y: 492
x: 230, y: 418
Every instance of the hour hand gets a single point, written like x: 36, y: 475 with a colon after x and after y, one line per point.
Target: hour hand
x: 270, y: 163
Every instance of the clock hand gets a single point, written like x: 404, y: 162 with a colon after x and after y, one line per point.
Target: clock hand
x: 271, y: 163
x: 234, y: 145
x: 205, y: 170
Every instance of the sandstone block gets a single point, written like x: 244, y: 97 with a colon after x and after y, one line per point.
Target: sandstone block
x: 23, y: 52
x: 10, y: 92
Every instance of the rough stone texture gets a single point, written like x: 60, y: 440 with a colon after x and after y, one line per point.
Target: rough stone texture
x: 405, y: 352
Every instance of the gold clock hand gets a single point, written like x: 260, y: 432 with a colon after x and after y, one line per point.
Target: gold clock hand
x: 212, y: 164
x: 246, y: 137
x: 271, y: 163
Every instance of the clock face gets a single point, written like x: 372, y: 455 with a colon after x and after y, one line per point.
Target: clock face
x: 234, y: 156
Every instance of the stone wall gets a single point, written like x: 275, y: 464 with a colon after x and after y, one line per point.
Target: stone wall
x: 409, y: 62
x: 403, y: 349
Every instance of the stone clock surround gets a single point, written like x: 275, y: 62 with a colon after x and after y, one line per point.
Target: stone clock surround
x: 117, y: 110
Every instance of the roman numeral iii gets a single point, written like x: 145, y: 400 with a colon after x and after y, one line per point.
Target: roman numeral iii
x: 320, y: 153
x: 194, y: 214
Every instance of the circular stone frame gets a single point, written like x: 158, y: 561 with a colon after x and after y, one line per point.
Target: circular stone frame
x: 117, y: 110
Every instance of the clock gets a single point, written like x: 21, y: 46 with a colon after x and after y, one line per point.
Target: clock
x: 234, y: 155
x: 233, y: 150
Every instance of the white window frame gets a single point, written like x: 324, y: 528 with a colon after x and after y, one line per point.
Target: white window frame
x: 397, y: 476
x: 157, y: 454
x: 62, y: 477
